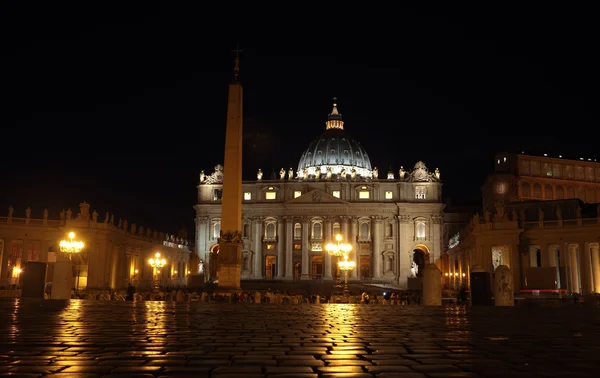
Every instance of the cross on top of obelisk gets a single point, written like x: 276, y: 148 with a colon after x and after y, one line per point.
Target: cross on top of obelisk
x: 236, y: 67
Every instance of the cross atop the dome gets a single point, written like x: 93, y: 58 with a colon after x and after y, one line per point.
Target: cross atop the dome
x: 334, y: 120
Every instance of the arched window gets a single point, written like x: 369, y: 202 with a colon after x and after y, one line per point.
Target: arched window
x: 317, y: 231
x: 216, y: 229
x: 420, y: 230
x: 297, y: 231
x: 246, y: 230
x: 363, y: 231
x: 270, y: 232
x: 336, y: 229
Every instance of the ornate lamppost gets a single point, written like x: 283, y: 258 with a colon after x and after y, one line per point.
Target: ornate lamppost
x: 338, y: 250
x: 72, y: 246
x: 345, y: 265
x: 156, y: 263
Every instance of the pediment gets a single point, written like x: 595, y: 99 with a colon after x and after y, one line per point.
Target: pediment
x: 316, y: 196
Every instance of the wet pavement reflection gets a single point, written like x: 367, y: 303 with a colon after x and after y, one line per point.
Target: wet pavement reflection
x: 80, y: 338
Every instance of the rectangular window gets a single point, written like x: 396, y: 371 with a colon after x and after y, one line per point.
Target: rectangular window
x: 364, y: 194
x: 247, y: 196
x: 297, y: 194
x: 388, y: 195
x: 420, y: 192
x: 217, y: 194
x: 336, y: 193
x: 270, y: 195
x: 297, y: 247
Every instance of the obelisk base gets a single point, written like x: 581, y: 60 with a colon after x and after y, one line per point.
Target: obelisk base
x: 230, y: 268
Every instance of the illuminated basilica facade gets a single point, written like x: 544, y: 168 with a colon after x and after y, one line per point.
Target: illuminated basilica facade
x: 394, y: 223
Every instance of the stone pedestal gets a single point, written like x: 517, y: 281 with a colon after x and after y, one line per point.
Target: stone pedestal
x: 432, y: 286
x: 503, y: 287
x: 62, y: 282
x: 229, y: 266
x: 34, y: 280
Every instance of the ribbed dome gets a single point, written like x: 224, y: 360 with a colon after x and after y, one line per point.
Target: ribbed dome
x: 335, y: 149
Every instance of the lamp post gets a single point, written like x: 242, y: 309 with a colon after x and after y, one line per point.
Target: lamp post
x: 72, y: 246
x: 338, y: 249
x: 346, y: 265
x: 156, y: 263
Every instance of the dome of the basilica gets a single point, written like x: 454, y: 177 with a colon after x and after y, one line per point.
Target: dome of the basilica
x: 335, y: 151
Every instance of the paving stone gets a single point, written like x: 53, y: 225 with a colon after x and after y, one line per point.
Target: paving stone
x: 112, y: 338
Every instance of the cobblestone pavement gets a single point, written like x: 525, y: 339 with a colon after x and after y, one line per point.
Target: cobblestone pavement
x: 80, y: 338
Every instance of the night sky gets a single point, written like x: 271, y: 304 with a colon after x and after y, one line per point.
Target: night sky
x: 123, y: 106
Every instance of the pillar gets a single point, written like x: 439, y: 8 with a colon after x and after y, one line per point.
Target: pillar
x: 377, y: 247
x: 289, y: 247
x: 257, y: 248
x: 354, y: 242
x: 503, y: 287
x: 573, y: 268
x: 585, y: 268
x: 595, y: 251
x: 326, y: 255
x: 280, y: 248
x: 432, y: 285
x: 305, y: 246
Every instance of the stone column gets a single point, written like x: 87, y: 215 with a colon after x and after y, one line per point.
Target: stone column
x: 573, y: 268
x: 585, y: 268
x: 515, y: 267
x: 280, y: 248
x: 432, y: 286
x: 289, y: 247
x: 258, y: 258
x: 404, y: 252
x: 595, y: 249
x: 305, y: 246
x: 503, y: 287
x: 377, y: 247
x: 345, y: 236
x: 354, y: 237
x: 326, y: 255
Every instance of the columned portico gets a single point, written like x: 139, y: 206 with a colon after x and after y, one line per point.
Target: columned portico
x: 353, y: 241
x: 595, y: 252
x: 280, y: 248
x: 328, y: 237
x: 377, y: 221
x: 258, y: 255
x: 305, y: 248
x: 289, y: 247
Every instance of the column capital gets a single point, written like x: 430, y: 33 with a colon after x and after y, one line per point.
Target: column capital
x: 257, y: 219
x: 377, y: 218
x: 288, y: 218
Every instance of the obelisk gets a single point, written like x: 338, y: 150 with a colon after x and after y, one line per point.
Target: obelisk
x: 230, y: 247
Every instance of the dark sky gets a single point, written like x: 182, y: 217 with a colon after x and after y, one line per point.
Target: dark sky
x: 122, y: 106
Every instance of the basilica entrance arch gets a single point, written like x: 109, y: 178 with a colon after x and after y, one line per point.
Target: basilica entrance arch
x: 420, y: 258
x: 213, y: 262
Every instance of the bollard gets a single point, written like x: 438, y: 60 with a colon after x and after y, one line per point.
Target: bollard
x: 503, y: 287
x: 180, y: 296
x: 257, y: 297
x: 318, y: 299
x: 432, y: 286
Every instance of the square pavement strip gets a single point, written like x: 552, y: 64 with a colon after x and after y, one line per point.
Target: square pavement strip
x: 80, y: 338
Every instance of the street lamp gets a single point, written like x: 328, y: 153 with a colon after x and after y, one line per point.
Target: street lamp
x: 338, y: 250
x: 346, y: 265
x: 156, y: 263
x: 72, y: 246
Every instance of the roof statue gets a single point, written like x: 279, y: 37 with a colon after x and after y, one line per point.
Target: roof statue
x: 420, y: 173
x: 216, y: 177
